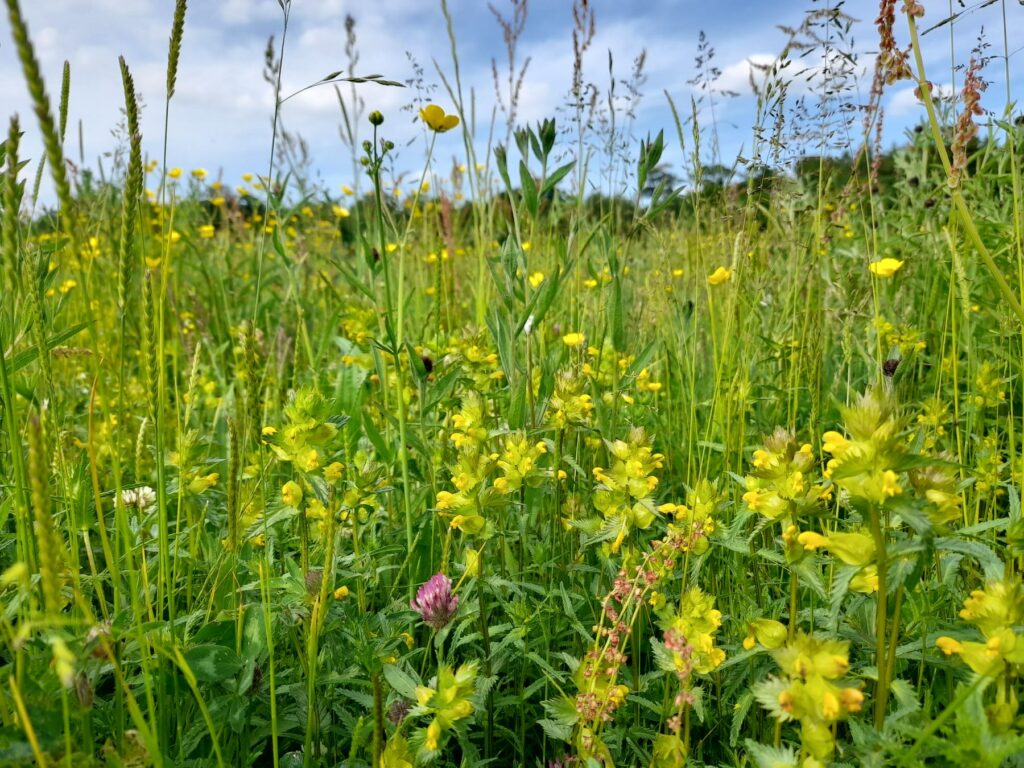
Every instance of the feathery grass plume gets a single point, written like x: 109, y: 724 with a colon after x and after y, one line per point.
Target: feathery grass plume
x: 65, y: 93
x: 9, y: 240
x: 174, y: 49
x: 41, y: 106
x: 47, y: 539
x: 133, y: 187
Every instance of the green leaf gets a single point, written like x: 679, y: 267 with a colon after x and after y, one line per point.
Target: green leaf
x: 212, y: 663
x: 402, y: 683
x: 556, y: 176
x: 20, y: 360
x: 529, y: 189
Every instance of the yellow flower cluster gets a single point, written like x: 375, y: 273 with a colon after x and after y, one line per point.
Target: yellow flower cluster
x: 808, y: 692
x: 998, y: 613
x: 447, y: 703
x: 568, y: 403
x: 864, y: 463
x: 697, y: 620
x: 624, y: 491
x: 518, y: 463
x: 778, y: 487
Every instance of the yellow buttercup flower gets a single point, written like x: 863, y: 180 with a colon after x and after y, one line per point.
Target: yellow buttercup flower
x: 885, y: 267
x: 719, y: 276
x: 574, y: 340
x: 436, y: 120
x: 206, y: 231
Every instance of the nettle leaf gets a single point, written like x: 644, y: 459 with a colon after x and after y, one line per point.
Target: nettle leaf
x: 767, y: 695
x: 739, y: 716
x: 989, y: 561
x: 771, y: 757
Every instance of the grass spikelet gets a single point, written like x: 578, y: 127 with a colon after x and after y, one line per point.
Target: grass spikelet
x: 133, y: 187
x: 174, y: 49
x: 41, y: 106
x: 65, y: 94
x: 47, y: 541
x: 36, y: 303
x: 9, y: 225
x: 234, y: 462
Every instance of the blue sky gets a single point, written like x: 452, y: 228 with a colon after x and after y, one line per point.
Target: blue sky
x: 220, y: 117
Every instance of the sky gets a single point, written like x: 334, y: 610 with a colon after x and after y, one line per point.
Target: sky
x: 220, y: 116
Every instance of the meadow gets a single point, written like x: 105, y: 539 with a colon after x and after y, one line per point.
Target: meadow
x: 555, y: 456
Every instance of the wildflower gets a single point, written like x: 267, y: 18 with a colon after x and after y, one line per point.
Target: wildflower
x: 203, y: 483
x: 341, y: 592
x: 768, y: 633
x: 574, y: 340
x: 808, y: 691
x: 340, y: 211
x: 198, y: 174
x: 347, y: 190
x: 206, y: 231
x: 217, y: 201
x: 623, y: 493
x: 291, y: 494
x: 333, y: 471
x: 247, y: 177
x: 536, y: 279
x: 435, y: 602
x: 140, y: 498
x: 866, y: 580
x: 886, y: 267
x: 174, y: 173
x: 719, y: 276
x: 435, y: 119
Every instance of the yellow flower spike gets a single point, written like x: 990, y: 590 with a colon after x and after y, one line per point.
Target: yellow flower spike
x: 719, y: 276
x: 333, y: 471
x: 811, y: 540
x: 436, y: 120
x: 885, y: 267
